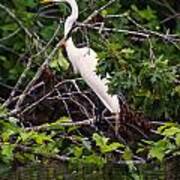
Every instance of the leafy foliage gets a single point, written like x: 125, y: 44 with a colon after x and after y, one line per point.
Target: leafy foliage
x: 52, y: 139
x: 168, y: 145
x: 102, y: 142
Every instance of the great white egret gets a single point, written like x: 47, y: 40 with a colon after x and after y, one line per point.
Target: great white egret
x: 84, y: 61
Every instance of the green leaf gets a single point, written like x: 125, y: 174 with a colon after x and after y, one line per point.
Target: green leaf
x: 102, y: 143
x: 94, y: 159
x: 177, y: 89
x: 171, y: 131
x: 100, y: 140
x: 178, y: 139
x: 7, y: 152
x: 159, y: 149
x: 112, y: 147
x: 3, y: 110
x: 25, y: 136
x: 7, y: 134
x: 166, y: 125
x: 41, y: 138
x: 127, y: 155
x: 78, y: 151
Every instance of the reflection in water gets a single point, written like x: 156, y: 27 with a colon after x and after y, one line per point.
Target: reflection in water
x: 57, y: 171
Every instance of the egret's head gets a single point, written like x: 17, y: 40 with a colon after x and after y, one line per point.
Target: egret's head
x: 70, y: 21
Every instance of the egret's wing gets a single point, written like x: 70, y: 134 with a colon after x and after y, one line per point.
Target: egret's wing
x: 98, y: 85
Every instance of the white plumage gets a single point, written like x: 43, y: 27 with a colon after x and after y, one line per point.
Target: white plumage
x: 84, y: 61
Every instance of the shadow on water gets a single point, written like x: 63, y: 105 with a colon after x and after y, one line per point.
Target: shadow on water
x: 56, y: 171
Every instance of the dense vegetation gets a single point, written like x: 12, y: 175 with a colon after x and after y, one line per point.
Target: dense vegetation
x: 138, y: 44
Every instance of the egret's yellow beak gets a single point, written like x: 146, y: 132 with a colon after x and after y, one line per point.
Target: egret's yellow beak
x: 45, y: 1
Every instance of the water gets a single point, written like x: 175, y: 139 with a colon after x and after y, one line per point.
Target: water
x: 58, y: 171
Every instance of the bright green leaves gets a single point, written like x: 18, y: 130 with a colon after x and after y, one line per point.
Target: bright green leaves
x: 6, y: 152
x: 87, y: 154
x: 39, y: 138
x: 51, y: 140
x: 168, y: 145
x: 78, y: 151
x: 160, y: 149
x: 3, y: 110
x: 171, y: 131
x: 15, y: 139
x: 47, y: 149
x: 178, y: 139
x: 127, y: 155
x: 104, y: 145
x: 7, y: 130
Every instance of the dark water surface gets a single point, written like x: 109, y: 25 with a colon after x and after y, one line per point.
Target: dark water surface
x: 57, y: 171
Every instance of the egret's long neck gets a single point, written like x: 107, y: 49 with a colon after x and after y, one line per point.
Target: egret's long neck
x: 74, y: 7
x: 72, y: 18
x: 70, y: 44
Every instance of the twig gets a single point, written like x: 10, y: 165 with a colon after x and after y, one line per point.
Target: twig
x: 68, y: 124
x: 10, y: 35
x: 137, y: 158
x: 86, y: 122
x: 96, y: 12
x: 43, y: 98
x: 48, y: 44
x: 19, y: 82
x: 37, y: 76
x: 30, y: 150
x: 64, y: 102
x: 159, y: 123
x: 145, y: 33
x: 91, y: 26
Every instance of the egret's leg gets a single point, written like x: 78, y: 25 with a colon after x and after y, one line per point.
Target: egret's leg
x: 117, y: 124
